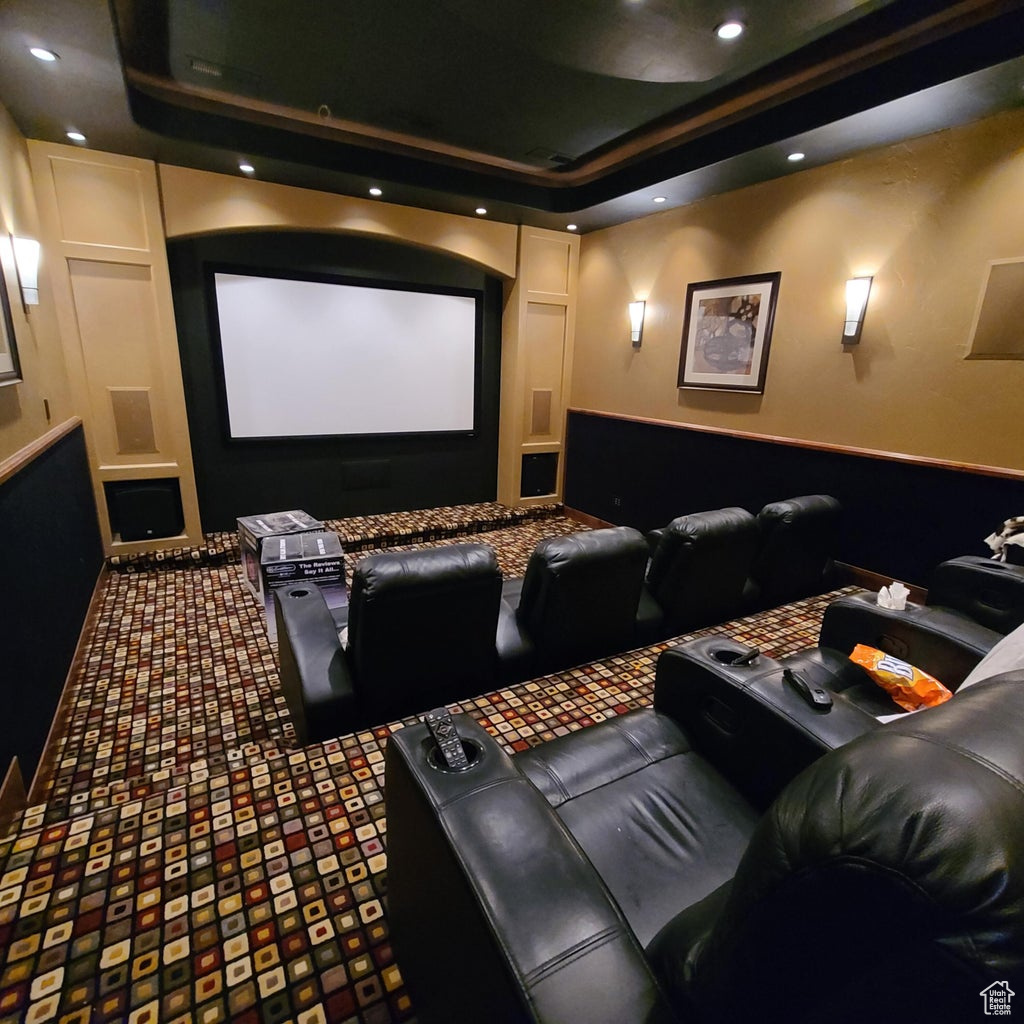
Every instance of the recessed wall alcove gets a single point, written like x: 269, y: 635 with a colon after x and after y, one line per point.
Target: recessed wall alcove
x: 328, y: 476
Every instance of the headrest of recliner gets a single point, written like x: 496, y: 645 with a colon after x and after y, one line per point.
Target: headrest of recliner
x: 722, y: 522
x: 440, y: 568
x: 729, y: 536
x: 791, y: 510
x: 578, y: 549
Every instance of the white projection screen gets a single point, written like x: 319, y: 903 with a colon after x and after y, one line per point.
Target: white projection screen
x: 313, y: 358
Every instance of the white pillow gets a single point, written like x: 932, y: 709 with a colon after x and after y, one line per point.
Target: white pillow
x: 1007, y: 655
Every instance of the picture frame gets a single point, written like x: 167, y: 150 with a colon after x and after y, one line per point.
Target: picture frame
x: 10, y: 367
x: 727, y: 333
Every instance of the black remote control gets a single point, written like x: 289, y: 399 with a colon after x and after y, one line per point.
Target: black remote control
x: 446, y: 736
x: 748, y: 657
x: 815, y: 696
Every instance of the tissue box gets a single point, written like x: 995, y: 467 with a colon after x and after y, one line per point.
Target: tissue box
x: 254, y: 530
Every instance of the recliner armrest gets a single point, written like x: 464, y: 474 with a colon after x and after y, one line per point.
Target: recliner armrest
x: 653, y: 538
x: 944, y: 643
x: 746, y: 721
x: 989, y: 592
x: 315, y: 677
x: 482, y: 874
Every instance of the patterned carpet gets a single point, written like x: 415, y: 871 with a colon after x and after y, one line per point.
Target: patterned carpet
x: 188, y: 864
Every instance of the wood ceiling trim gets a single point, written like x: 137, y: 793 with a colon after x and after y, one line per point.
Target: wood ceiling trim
x: 760, y: 94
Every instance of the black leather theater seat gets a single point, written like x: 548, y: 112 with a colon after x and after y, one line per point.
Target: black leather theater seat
x: 577, y: 602
x: 709, y: 567
x: 421, y: 629
x: 622, y: 875
x: 724, y: 701
x: 698, y: 572
x: 799, y: 537
x: 988, y: 592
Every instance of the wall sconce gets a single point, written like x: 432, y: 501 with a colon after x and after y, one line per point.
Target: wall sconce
x: 857, y: 291
x: 26, y: 260
x: 636, y: 322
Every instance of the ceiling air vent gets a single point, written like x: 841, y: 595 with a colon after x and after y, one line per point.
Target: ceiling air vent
x: 542, y: 155
x: 205, y: 67
x: 223, y: 76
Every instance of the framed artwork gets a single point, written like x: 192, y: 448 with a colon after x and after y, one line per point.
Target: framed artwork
x: 727, y: 331
x: 10, y: 371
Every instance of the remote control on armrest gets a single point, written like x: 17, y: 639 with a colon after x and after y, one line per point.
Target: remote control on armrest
x: 446, y: 736
x: 748, y: 657
x: 815, y: 696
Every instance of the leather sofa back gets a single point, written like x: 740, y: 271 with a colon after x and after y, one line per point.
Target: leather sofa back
x: 798, y: 538
x: 700, y: 567
x: 580, y: 595
x: 421, y: 627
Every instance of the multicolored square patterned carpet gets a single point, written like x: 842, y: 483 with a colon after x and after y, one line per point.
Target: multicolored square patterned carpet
x: 188, y: 862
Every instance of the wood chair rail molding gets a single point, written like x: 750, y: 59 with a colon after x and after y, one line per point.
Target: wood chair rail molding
x: 795, y: 442
x: 20, y: 459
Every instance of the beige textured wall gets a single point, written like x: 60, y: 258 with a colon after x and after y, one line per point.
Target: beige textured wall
x: 22, y: 416
x: 924, y: 217
x: 197, y: 202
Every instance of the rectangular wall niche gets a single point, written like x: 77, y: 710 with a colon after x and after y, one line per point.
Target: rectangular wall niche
x: 997, y: 330
x: 539, y: 475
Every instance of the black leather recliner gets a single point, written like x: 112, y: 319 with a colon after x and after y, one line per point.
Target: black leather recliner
x: 799, y: 537
x: 577, y: 602
x: 421, y: 632
x: 987, y: 592
x: 705, y: 674
x: 623, y: 874
x: 972, y: 604
x: 697, y: 573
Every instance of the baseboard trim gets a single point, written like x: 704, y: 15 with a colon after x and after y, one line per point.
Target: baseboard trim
x: 44, y: 769
x: 12, y: 793
x: 586, y: 520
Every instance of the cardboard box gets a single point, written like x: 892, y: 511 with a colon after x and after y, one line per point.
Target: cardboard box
x: 315, y: 558
x: 254, y: 530
x: 291, y: 558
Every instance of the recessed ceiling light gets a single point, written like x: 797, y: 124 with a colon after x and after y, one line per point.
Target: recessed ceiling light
x: 570, y: 227
x: 481, y: 210
x: 376, y: 191
x: 42, y: 54
x: 658, y: 199
x: 246, y: 168
x: 75, y: 136
x: 730, y: 29
x: 795, y: 157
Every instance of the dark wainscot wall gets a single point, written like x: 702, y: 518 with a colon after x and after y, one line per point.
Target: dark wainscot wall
x: 52, y: 558
x: 901, y: 518
x: 334, y: 476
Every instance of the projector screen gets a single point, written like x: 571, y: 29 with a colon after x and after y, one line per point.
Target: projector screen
x: 305, y: 358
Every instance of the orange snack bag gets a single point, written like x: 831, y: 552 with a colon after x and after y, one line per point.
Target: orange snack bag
x: 909, y: 687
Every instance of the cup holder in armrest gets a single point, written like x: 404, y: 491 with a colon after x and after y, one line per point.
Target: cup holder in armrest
x: 474, y: 755
x: 730, y: 655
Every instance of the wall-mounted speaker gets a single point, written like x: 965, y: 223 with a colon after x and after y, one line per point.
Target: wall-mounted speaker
x: 539, y: 475
x: 144, y: 509
x: 540, y: 411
